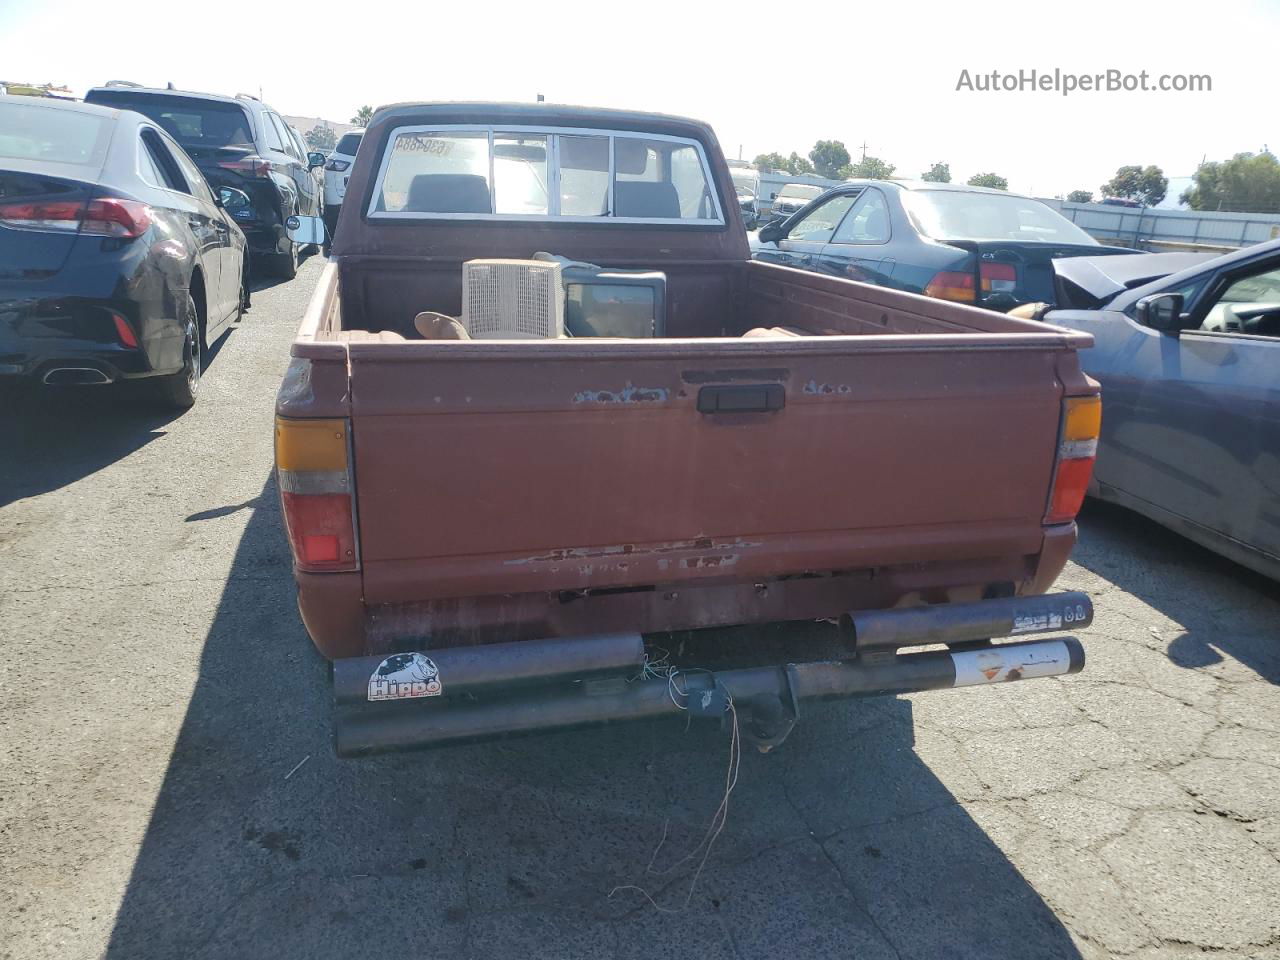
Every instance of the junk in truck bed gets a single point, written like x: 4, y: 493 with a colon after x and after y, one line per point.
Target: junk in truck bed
x: 489, y: 531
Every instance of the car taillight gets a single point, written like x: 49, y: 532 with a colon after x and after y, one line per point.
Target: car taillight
x: 111, y: 217
x: 998, y: 277
x: 337, y: 165
x: 248, y: 166
x: 104, y: 217
x: 124, y: 332
x: 1077, y: 450
x: 314, y: 472
x: 951, y: 285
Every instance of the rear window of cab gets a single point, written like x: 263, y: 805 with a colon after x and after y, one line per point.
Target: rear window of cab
x: 544, y: 173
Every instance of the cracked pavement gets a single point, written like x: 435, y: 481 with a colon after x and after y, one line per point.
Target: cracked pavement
x: 157, y: 693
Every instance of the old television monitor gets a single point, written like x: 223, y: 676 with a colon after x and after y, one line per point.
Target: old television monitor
x: 599, y: 302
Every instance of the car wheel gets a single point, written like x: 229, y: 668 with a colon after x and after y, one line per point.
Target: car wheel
x: 178, y: 391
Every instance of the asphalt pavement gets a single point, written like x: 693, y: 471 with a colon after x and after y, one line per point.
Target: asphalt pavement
x: 168, y: 788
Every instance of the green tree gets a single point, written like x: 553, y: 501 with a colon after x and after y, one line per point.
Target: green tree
x: 938, y: 173
x: 1247, y: 183
x: 797, y: 164
x: 1145, y: 184
x: 765, y: 162
x: 829, y: 157
x: 868, y: 168
x: 1080, y: 196
x: 363, y: 116
x: 321, y: 137
x: 992, y: 180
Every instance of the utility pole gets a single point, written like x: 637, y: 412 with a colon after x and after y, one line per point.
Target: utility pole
x: 864, y: 149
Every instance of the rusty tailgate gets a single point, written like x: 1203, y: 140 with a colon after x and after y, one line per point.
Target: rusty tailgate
x: 499, y: 468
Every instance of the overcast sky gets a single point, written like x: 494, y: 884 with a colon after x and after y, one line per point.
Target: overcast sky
x: 766, y: 76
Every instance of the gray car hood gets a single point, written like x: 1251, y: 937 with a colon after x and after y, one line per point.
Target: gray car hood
x: 1101, y: 279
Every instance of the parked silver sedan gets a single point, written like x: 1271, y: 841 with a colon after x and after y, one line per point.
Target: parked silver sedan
x: 1190, y: 371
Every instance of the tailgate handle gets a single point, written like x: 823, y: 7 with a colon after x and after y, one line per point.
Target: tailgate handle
x: 750, y: 398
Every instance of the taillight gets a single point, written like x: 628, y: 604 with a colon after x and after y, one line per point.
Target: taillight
x: 951, y: 285
x: 1077, y: 449
x: 248, y: 166
x: 124, y: 332
x: 112, y: 217
x: 337, y: 165
x: 56, y: 215
x: 104, y: 217
x: 998, y: 277
x: 314, y: 472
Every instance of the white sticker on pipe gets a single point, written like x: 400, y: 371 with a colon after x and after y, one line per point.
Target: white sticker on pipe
x: 404, y: 676
x: 1037, y: 623
x: 1050, y: 658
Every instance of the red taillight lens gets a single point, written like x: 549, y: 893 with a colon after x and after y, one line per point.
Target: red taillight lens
x: 1077, y: 450
x: 248, y: 166
x: 60, y: 215
x: 314, y: 473
x: 104, y: 217
x: 112, y: 217
x: 320, y: 530
x: 951, y: 285
x: 124, y: 332
x: 337, y: 165
x: 998, y: 277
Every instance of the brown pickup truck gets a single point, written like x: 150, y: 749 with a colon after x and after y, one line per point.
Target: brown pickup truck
x: 513, y: 532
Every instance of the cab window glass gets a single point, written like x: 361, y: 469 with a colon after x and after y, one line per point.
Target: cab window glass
x: 436, y: 173
x: 520, y: 173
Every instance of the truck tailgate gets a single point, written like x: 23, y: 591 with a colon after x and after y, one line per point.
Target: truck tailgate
x: 497, y: 468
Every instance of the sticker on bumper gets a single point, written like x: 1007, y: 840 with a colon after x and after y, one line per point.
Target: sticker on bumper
x: 404, y: 676
x: 993, y: 665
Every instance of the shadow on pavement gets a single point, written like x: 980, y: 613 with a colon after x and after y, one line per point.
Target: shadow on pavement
x: 53, y: 436
x: 1174, y: 575
x: 841, y: 843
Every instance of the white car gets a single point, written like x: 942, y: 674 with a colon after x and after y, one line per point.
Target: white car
x: 336, y: 170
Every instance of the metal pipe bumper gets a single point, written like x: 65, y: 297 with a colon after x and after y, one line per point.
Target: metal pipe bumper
x: 759, y: 693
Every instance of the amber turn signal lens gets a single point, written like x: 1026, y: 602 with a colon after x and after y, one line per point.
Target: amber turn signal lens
x: 1084, y: 418
x: 311, y: 444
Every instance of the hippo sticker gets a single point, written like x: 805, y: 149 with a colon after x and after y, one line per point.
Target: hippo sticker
x: 405, y: 675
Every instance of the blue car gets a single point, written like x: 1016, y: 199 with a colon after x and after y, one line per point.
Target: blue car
x: 972, y: 245
x: 1187, y: 350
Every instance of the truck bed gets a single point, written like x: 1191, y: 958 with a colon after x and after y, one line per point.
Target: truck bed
x: 508, y: 489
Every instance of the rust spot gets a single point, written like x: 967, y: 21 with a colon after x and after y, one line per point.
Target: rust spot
x: 1014, y: 674
x: 815, y: 389
x: 582, y: 555
x: 718, y: 560
x: 627, y: 395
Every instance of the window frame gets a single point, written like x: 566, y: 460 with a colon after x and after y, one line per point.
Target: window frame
x: 162, y: 157
x: 553, y: 134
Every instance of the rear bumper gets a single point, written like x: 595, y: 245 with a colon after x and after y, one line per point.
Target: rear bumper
x: 440, y: 697
x: 40, y: 336
x: 345, y: 619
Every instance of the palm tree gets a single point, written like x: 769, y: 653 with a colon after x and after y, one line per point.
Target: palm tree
x: 363, y: 116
